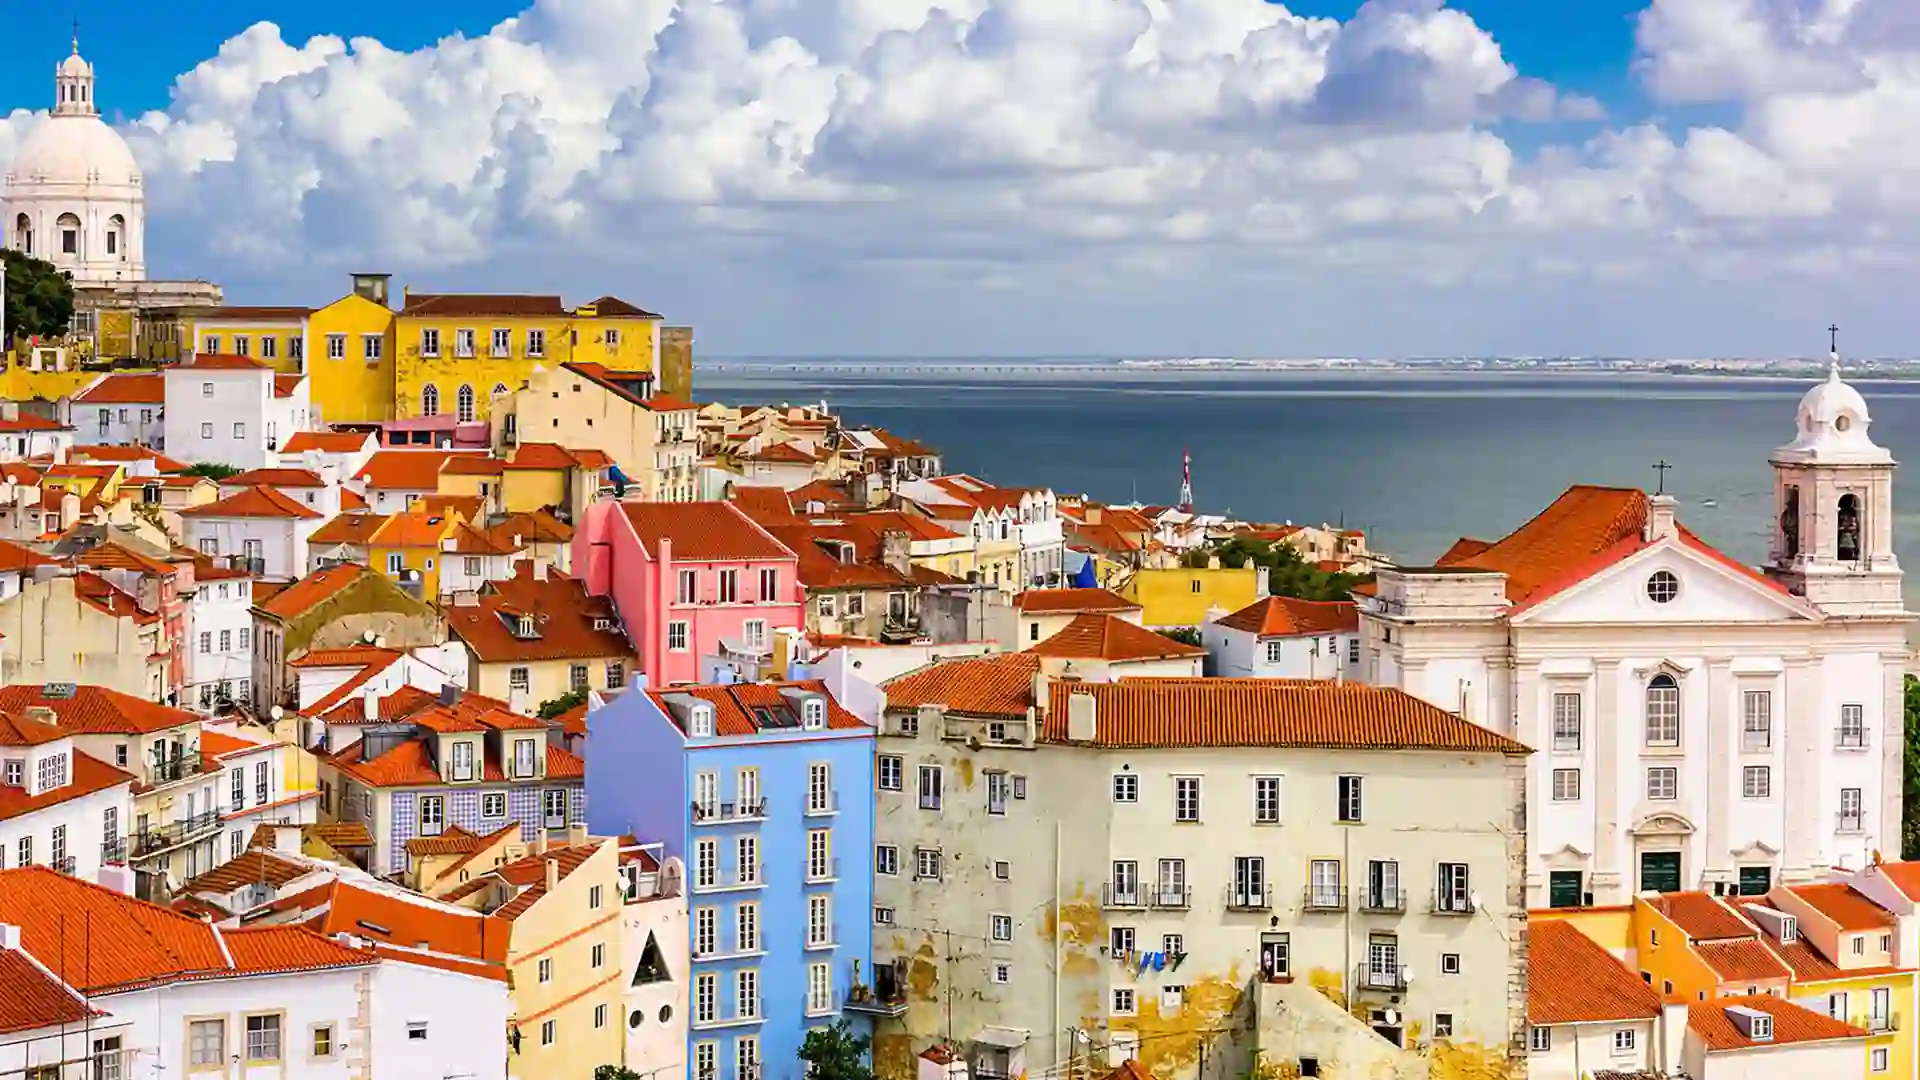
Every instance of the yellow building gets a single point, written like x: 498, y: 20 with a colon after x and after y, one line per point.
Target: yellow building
x: 538, y: 636
x: 275, y: 336
x: 561, y: 908
x: 350, y: 371
x: 590, y: 406
x: 1183, y: 595
x: 406, y: 547
x: 100, y: 480
x: 455, y: 352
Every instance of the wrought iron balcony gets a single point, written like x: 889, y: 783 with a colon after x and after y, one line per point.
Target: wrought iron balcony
x: 1384, y: 901
x: 821, y: 805
x: 1446, y: 902
x: 114, y: 852
x: 1880, y: 1023
x: 1122, y: 896
x: 1249, y: 898
x: 828, y: 870
x: 721, y: 813
x: 1849, y: 737
x: 159, y: 838
x: 1851, y: 823
x: 1172, y: 897
x: 64, y: 864
x: 184, y: 767
x: 1323, y: 898
x: 1387, y: 977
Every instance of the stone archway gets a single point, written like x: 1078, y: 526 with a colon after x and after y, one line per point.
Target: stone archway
x: 1660, y: 844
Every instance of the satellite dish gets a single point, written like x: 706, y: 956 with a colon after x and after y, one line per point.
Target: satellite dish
x: 367, y: 637
x: 1392, y: 1016
x: 1406, y: 976
x: 276, y: 712
x: 1474, y: 899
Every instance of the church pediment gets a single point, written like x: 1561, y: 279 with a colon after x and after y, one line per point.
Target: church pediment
x: 1566, y: 855
x: 1670, y: 581
x: 1663, y: 823
x: 1757, y: 849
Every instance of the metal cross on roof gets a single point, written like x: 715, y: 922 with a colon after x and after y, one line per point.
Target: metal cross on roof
x: 1661, y: 467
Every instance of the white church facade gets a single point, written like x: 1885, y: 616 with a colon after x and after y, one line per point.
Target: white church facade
x: 1696, y: 723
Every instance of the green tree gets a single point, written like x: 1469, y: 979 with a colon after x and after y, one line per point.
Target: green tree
x: 39, y: 297
x: 550, y: 709
x: 1910, y: 807
x: 212, y: 470
x: 1186, y: 635
x: 836, y: 1053
x: 615, y: 1072
x: 1287, y: 573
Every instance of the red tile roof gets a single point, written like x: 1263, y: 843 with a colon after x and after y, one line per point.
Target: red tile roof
x: 473, y: 465
x: 1153, y: 712
x: 321, y: 585
x: 735, y: 706
x: 1071, y: 601
x: 533, y: 527
x: 327, y: 442
x: 817, y: 547
x: 407, y: 470
x: 258, y: 501
x: 161, y: 462
x: 568, y: 624
x: 1791, y: 1023
x: 133, y: 388
x: 1742, y: 960
x: 1284, y: 616
x: 96, y: 710
x: 30, y: 422
x: 409, y: 764
x: 504, y: 305
x: 254, y: 313
x: 537, y: 455
x: 1572, y: 980
x: 1110, y: 637
x: 614, y: 307
x: 417, y: 527
x: 278, y: 478
x: 402, y: 922
x: 14, y: 558
x: 87, y: 776
x: 31, y: 998
x: 1701, y: 916
x: 986, y: 686
x: 1849, y: 909
x: 223, y: 362
x: 701, y: 531
x: 254, y: 866
x: 285, y: 385
x: 353, y: 530
x: 19, y: 729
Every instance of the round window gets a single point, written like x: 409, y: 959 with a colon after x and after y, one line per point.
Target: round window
x: 1662, y: 587
x: 636, y: 1018
x: 666, y: 1013
x: 1842, y: 422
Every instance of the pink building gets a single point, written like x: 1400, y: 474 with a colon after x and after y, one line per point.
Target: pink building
x: 696, y: 583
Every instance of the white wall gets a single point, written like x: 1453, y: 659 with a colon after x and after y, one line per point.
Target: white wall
x: 283, y: 541
x: 1580, y: 1050
x: 85, y: 822
x: 1235, y: 653
x: 213, y: 614
x: 200, y: 426
x: 651, y: 1044
x: 126, y: 424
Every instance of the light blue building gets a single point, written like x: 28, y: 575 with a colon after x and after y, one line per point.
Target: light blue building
x: 765, y: 790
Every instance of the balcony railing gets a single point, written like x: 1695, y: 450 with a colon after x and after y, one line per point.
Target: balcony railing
x: 723, y: 882
x: 64, y: 864
x: 822, y: 805
x: 720, y: 813
x: 1449, y: 903
x: 752, y: 1014
x: 1249, y: 897
x: 1390, y: 977
x: 736, y: 946
x: 1122, y: 896
x: 1172, y: 897
x: 114, y: 852
x: 1850, y: 738
x: 867, y: 1001
x: 159, y: 838
x: 1323, y: 898
x: 1879, y: 1024
x: 821, y: 870
x: 823, y: 937
x: 1850, y: 823
x: 176, y: 770
x: 1384, y: 901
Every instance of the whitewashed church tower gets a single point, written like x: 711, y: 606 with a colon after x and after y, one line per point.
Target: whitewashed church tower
x: 1833, y: 507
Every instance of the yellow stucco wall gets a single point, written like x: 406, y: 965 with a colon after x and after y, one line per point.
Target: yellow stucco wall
x: 558, y: 406
x: 1610, y: 927
x: 546, y: 679
x: 108, y: 490
x: 354, y: 388
x: 1901, y: 986
x: 525, y: 490
x: 564, y: 929
x: 568, y: 337
x: 19, y: 384
x: 1181, y: 596
x: 226, y: 333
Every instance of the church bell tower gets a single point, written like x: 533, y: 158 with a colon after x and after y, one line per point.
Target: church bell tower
x: 1833, y: 507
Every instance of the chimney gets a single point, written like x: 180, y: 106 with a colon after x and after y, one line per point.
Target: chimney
x: 1081, y: 718
x: 1091, y: 515
x: 449, y: 693
x: 9, y: 937
x: 896, y: 551
x: 553, y: 868
x: 370, y: 699
x: 1660, y: 517
x: 1262, y: 588
x: 540, y: 843
x: 576, y: 834
x: 43, y: 714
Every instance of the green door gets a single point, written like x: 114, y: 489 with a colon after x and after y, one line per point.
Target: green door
x: 1755, y: 880
x: 1563, y: 888
x: 1660, y: 871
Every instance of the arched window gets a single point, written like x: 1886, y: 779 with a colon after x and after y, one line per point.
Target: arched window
x: 463, y: 404
x: 69, y: 227
x: 1848, y: 532
x: 430, y: 400
x: 499, y: 389
x: 23, y: 234
x: 116, y: 230
x: 1663, y: 711
x: 1790, y: 523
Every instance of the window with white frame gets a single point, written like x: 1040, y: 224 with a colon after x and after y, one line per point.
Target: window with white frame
x: 1756, y: 726
x: 687, y: 590
x: 887, y: 770
x: 1853, y: 726
x: 819, y: 987
x: 1350, y: 803
x: 1566, y: 785
x: 706, y: 932
x: 820, y: 855
x: 746, y: 993
x: 706, y: 987
x: 1663, y: 783
x: 1275, y: 650
x: 1000, y: 927
x: 677, y: 637
x: 926, y: 864
x: 746, y: 927
x: 1123, y: 1003
x: 1566, y: 721
x: 1186, y: 798
x: 336, y: 346
x: 1126, y: 787
x: 1756, y: 782
x: 1623, y: 1040
x: 930, y: 787
x: 1851, y: 805
x: 706, y: 862
x: 502, y: 342
x: 1663, y: 711
x: 1540, y: 1039
x: 1266, y: 800
x: 819, y: 919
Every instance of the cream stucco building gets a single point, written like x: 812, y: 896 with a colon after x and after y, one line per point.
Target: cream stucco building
x: 1133, y: 861
x: 1699, y: 723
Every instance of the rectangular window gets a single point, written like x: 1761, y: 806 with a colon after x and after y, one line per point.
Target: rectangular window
x: 1186, y: 798
x: 1275, y: 649
x: 241, y: 346
x: 1123, y: 1001
x: 239, y: 429
x: 463, y: 341
x: 819, y: 787
x: 677, y: 637
x: 819, y: 919
x: 1756, y: 782
x: 746, y: 853
x: 462, y: 760
x: 262, y: 776
x: 706, y: 987
x: 433, y: 814
x: 926, y: 864
x: 998, y: 789
x: 296, y: 348
x: 746, y: 993
x: 1663, y: 783
x: 746, y: 1057
x: 746, y: 928
x: 930, y: 783
x: 1853, y: 727
x: 1249, y: 882
x: 269, y: 346
x: 1323, y: 883
x: 1126, y: 787
x: 1851, y: 809
x: 886, y: 859
x: 688, y: 587
x: 1623, y: 1041
x: 1566, y: 722
x: 1566, y: 785
x: 536, y: 342
x: 519, y: 678
x: 336, y: 346
x: 263, y: 1039
x: 207, y: 1043
x: 1452, y: 893
x: 1124, y: 889
x: 371, y: 346
x: 705, y: 931
x: 1351, y: 804
x: 704, y: 1058
x: 729, y: 586
x: 706, y: 863
x: 1539, y: 1039
x: 819, y: 988
x: 577, y: 677
x: 1266, y: 800
x: 502, y: 342
x: 1756, y: 727
x: 429, y: 341
x: 1663, y: 711
x: 212, y: 343
x: 820, y: 855
x: 525, y: 758
x: 888, y: 768
x: 769, y: 586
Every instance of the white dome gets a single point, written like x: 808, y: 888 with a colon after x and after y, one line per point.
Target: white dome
x: 1832, y: 423
x: 78, y: 150
x: 74, y: 65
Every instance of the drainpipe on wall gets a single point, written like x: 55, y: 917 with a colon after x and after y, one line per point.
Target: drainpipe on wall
x: 1057, y: 939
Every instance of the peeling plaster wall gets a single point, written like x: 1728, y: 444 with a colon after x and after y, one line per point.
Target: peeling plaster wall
x: 1421, y: 808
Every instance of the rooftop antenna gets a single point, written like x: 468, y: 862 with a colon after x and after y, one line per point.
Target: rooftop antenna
x: 1186, y: 480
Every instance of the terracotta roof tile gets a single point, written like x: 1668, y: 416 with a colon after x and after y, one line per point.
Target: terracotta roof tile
x: 258, y: 501
x: 343, y: 834
x: 415, y: 528
x: 454, y: 841
x: 1284, y: 616
x: 915, y: 526
x: 319, y: 586
x: 985, y: 686
x: 1791, y: 1023
x: 350, y: 656
x: 216, y: 745
x: 114, y: 555
x: 409, y: 764
x: 253, y: 313
x: 617, y: 308
x: 352, y: 500
x: 278, y: 478
x: 19, y: 729
x: 1849, y: 909
x: 284, y: 385
x: 124, y: 454
x: 133, y: 388
x: 31, y: 998
x: 344, y: 707
x: 223, y: 362
x: 96, y: 710
x: 407, y: 470
x: 1572, y: 980
x: 30, y: 422
x: 701, y: 531
x: 1701, y: 916
x: 327, y: 442
x: 87, y: 776
x: 15, y: 558
x: 534, y: 527
x: 539, y: 455
x: 834, y: 497
x: 1742, y: 960
x: 568, y: 624
x: 1153, y: 712
x: 254, y: 866
x: 473, y: 465
x: 735, y: 706
x: 817, y: 548
x: 468, y: 540
x: 402, y: 921
x: 507, y: 305
x: 1110, y: 637
x: 1072, y: 601
x: 354, y: 530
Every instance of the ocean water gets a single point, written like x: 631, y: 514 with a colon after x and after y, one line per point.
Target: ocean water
x: 1416, y: 459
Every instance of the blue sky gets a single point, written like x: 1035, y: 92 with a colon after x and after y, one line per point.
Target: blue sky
x: 1194, y: 177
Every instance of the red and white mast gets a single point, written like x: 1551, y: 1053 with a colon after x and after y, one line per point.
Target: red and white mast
x: 1186, y: 480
